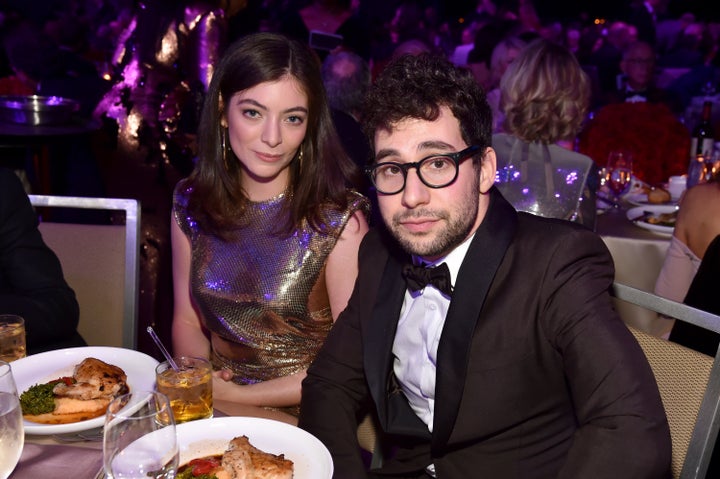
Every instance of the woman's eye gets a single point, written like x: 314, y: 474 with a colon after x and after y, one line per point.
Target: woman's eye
x: 297, y: 120
x: 251, y: 113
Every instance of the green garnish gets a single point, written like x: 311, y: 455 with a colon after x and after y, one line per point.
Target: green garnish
x: 39, y: 399
x: 187, y: 474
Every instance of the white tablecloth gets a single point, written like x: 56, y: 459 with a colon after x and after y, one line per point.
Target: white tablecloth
x: 638, y: 255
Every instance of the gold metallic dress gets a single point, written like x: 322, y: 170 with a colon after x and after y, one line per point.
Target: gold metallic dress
x: 263, y: 297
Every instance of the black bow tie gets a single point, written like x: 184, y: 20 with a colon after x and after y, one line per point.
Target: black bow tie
x: 418, y: 277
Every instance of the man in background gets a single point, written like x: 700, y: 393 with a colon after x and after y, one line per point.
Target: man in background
x: 346, y: 77
x: 31, y: 278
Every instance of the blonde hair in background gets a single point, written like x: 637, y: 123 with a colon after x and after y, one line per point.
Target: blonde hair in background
x: 545, y: 94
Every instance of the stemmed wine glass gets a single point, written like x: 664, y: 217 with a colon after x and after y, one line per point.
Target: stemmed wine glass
x: 619, y: 172
x: 139, y: 439
x: 12, y: 435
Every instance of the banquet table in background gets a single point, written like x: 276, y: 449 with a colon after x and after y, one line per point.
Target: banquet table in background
x: 638, y: 255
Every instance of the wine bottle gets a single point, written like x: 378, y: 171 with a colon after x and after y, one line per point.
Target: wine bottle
x: 701, y: 142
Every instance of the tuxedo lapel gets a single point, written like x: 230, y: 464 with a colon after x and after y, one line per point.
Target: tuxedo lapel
x: 394, y: 412
x: 473, y: 282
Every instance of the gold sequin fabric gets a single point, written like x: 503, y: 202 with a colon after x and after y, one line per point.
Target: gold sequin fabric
x: 263, y: 296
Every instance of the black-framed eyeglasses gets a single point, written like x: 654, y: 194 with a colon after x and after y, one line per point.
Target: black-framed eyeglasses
x: 435, y: 171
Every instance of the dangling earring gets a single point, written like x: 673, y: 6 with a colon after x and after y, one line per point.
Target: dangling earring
x: 223, y: 145
x: 300, y: 159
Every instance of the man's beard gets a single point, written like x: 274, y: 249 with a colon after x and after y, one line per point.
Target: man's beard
x: 455, y: 232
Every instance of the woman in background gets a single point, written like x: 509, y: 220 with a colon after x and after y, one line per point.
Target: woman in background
x: 545, y: 95
x: 265, y: 232
x: 502, y: 56
x: 696, y: 228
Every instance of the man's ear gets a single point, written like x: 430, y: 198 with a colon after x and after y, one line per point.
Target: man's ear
x: 488, y: 168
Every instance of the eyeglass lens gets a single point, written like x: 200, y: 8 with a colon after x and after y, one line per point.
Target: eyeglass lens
x: 434, y: 171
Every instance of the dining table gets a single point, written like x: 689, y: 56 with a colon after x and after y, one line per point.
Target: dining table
x: 80, y: 455
x: 638, y: 255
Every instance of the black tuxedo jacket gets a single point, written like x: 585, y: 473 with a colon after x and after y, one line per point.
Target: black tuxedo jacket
x: 536, y: 377
x: 31, y: 279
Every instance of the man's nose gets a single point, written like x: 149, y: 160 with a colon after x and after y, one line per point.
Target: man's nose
x: 415, y: 193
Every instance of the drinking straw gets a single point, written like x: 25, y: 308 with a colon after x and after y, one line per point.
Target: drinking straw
x: 162, y: 348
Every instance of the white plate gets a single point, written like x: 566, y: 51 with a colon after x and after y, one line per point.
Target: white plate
x: 641, y: 199
x: 656, y: 210
x: 43, y: 367
x: 208, y: 437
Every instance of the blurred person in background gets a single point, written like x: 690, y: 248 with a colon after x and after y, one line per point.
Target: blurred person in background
x: 696, y: 227
x: 644, y: 14
x: 608, y: 53
x: 346, y: 77
x: 545, y: 95
x: 486, y: 39
x: 503, y: 55
x: 637, y: 81
x: 31, y: 278
x: 689, y: 50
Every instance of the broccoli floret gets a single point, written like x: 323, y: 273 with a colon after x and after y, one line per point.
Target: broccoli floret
x: 39, y: 399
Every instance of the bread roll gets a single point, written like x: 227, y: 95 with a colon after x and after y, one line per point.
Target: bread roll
x: 658, y: 195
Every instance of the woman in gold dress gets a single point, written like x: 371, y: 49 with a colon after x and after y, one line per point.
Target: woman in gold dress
x: 265, y: 232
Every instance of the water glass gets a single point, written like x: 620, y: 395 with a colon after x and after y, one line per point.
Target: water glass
x: 676, y: 186
x: 698, y: 171
x: 12, y: 337
x: 12, y: 435
x: 139, y: 439
x: 189, y: 388
x: 619, y: 172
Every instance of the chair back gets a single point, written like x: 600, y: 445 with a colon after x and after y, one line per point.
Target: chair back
x: 369, y: 440
x: 545, y: 180
x: 689, y: 383
x: 100, y: 263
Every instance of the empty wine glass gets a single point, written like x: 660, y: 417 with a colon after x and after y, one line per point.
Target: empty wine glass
x: 12, y: 436
x: 139, y: 439
x: 619, y: 172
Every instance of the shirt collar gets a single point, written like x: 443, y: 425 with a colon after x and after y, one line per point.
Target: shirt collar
x: 454, y: 259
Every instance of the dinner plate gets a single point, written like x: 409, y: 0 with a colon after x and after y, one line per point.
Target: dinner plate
x: 43, y: 367
x: 654, y: 210
x: 209, y: 437
x: 641, y: 199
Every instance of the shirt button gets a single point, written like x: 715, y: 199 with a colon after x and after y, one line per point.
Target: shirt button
x: 432, y: 307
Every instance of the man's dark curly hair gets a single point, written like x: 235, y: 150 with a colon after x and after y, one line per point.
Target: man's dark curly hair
x: 417, y: 86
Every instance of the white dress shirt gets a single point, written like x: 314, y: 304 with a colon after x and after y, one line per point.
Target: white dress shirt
x: 418, y: 334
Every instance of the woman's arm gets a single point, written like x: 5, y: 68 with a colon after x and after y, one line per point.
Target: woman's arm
x: 342, y: 266
x: 279, y: 392
x: 188, y: 337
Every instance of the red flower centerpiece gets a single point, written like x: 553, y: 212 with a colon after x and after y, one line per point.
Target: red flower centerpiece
x: 657, y: 140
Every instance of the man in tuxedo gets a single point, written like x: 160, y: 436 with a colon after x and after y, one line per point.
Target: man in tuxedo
x: 510, y: 362
x: 638, y: 79
x: 31, y: 278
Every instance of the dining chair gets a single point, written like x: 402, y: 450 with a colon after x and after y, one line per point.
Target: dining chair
x: 100, y: 263
x: 369, y: 439
x: 689, y: 382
